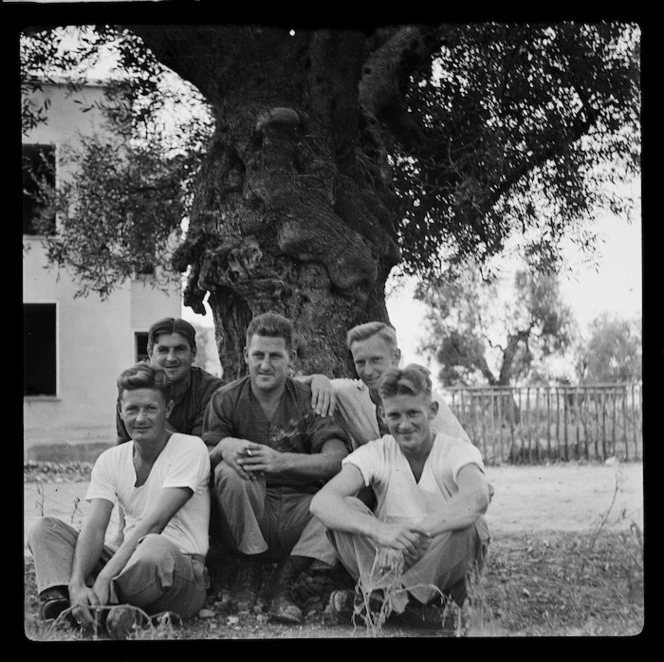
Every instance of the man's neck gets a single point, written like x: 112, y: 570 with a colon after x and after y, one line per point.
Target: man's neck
x: 149, y: 452
x: 375, y: 398
x: 268, y: 399
x: 420, y: 455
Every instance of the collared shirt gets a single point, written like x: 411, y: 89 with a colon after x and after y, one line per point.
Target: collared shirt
x: 189, y: 407
x: 234, y: 411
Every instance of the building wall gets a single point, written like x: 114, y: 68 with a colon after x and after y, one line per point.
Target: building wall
x: 94, y: 339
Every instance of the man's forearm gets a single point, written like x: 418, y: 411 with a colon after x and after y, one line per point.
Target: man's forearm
x: 333, y: 511
x: 460, y: 512
x: 87, y: 553
x: 314, y: 466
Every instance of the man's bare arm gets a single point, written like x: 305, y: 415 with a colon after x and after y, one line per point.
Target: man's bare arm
x: 323, y: 465
x: 465, y: 507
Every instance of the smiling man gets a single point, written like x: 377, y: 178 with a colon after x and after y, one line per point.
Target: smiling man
x: 172, y: 347
x: 160, y: 480
x: 431, y: 494
x: 374, y: 349
x: 271, y: 452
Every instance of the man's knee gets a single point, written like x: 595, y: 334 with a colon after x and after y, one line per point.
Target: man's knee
x: 42, y: 528
x: 227, y: 479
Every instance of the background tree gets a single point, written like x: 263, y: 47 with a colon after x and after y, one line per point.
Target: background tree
x: 337, y: 155
x: 206, y: 350
x: 480, y: 334
x: 613, y: 353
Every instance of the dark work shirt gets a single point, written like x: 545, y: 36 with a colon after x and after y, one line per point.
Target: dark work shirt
x: 234, y: 411
x: 189, y: 408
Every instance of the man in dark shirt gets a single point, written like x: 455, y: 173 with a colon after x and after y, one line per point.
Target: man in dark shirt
x: 172, y: 346
x: 271, y: 453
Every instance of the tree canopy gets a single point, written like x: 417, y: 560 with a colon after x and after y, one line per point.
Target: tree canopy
x: 482, y: 332
x: 334, y: 156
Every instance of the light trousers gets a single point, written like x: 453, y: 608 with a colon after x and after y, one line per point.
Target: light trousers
x: 158, y: 576
x: 273, y: 521
x: 443, y: 565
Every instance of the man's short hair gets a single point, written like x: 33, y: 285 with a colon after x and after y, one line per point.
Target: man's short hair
x: 412, y: 380
x: 143, y: 375
x: 370, y: 329
x: 271, y: 325
x: 172, y: 325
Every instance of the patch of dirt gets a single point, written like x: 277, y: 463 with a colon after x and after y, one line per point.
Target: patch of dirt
x: 565, y: 497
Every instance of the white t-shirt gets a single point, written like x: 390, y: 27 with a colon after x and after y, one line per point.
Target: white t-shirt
x: 399, y: 496
x: 358, y: 412
x: 184, y: 462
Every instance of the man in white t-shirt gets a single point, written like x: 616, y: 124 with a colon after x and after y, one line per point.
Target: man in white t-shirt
x: 431, y: 494
x: 161, y: 482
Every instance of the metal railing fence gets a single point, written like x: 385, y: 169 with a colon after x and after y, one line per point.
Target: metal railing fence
x: 559, y: 423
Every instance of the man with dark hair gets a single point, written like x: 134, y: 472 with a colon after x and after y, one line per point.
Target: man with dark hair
x: 431, y: 495
x: 172, y: 346
x: 161, y: 482
x: 271, y: 452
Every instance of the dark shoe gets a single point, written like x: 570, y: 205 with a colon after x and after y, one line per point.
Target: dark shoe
x: 283, y: 608
x: 53, y: 602
x: 247, y: 584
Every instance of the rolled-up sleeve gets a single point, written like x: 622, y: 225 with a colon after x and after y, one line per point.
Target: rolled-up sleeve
x: 321, y: 429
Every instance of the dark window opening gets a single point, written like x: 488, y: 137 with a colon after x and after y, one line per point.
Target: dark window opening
x: 39, y: 349
x: 141, y: 346
x: 146, y: 269
x: 38, y: 171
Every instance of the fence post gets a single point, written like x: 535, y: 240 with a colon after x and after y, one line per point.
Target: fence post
x: 548, y: 421
x: 565, y: 420
x: 624, y: 418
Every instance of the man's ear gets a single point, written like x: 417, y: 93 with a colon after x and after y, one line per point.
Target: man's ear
x: 433, y: 410
x: 169, y: 408
x: 396, y: 357
x: 381, y: 413
x: 245, y: 353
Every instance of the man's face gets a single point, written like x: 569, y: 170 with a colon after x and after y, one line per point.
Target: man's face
x: 268, y: 360
x: 408, y: 418
x: 144, y: 412
x: 172, y: 352
x: 372, y: 357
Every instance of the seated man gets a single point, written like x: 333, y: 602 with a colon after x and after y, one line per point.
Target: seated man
x: 431, y: 493
x: 161, y: 481
x: 271, y: 452
x: 374, y: 349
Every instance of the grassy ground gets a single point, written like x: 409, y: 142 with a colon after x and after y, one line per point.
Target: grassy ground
x: 549, y: 583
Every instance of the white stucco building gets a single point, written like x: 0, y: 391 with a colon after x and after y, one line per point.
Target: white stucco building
x: 74, y: 348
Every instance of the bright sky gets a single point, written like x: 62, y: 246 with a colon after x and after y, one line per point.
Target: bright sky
x: 616, y: 285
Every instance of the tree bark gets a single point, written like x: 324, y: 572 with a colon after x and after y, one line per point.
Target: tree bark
x: 293, y: 211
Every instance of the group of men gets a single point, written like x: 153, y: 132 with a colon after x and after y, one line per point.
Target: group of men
x: 290, y: 470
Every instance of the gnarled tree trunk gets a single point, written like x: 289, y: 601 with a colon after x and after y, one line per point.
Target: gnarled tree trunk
x: 294, y: 211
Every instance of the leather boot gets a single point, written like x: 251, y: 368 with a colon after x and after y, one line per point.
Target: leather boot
x: 247, y: 583
x: 282, y: 601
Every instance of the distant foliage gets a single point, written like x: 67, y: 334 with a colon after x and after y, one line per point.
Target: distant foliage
x: 614, y: 351
x: 481, y: 332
